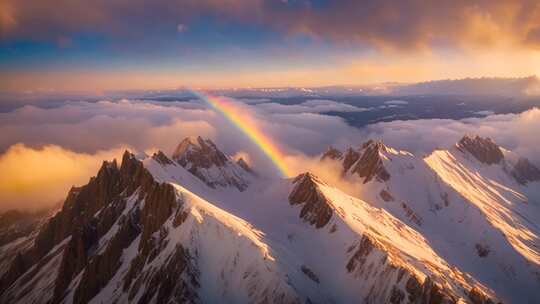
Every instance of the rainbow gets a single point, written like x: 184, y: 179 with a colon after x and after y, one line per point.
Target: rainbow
x: 241, y: 120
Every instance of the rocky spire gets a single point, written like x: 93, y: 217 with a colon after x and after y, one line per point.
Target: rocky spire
x: 370, y: 164
x: 316, y: 208
x: 483, y: 149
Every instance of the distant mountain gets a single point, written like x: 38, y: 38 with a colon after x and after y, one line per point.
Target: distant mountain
x: 466, y: 86
x: 459, y: 226
x: 472, y: 86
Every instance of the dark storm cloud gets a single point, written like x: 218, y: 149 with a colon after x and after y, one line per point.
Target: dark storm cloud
x: 391, y: 24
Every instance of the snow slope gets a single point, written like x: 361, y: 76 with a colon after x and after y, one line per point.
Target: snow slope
x: 476, y: 216
x: 154, y: 231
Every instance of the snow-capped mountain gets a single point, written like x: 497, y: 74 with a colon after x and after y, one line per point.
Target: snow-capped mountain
x: 199, y: 227
x: 202, y: 158
x: 475, y: 203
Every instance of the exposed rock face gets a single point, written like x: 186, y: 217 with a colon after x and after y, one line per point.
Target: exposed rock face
x: 332, y: 153
x: 366, y: 161
x: 203, y: 159
x: 161, y: 158
x: 371, y: 260
x: 127, y: 238
x: 483, y: 149
x: 103, y: 266
x: 370, y: 164
x: 174, y: 282
x: 482, y: 250
x: 77, y: 213
x: 386, y: 196
x: 350, y: 158
x: 106, y: 193
x: 198, y: 153
x: 310, y: 274
x: 316, y: 208
x: 16, y: 224
x: 524, y: 171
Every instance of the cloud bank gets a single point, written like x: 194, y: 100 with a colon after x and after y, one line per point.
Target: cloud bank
x: 39, y: 178
x: 516, y: 132
x: 44, y: 151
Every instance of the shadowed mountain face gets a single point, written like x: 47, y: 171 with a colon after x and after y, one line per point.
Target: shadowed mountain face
x: 199, y: 227
x: 483, y: 149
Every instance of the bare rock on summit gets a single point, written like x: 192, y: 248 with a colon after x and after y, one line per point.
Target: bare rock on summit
x: 370, y: 164
x: 198, y: 153
x: 483, y: 149
x: 203, y: 159
x: 316, y: 208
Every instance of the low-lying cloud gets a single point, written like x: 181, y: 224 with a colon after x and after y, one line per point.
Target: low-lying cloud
x: 44, y: 151
x: 310, y: 106
x: 516, y: 132
x: 39, y: 178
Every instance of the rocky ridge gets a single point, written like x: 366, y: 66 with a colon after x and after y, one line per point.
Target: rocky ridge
x: 146, y: 231
x: 203, y: 159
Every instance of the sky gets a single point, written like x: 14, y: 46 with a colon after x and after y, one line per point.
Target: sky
x: 82, y: 50
x: 77, y: 45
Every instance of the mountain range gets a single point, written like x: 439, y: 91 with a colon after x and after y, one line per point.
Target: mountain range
x: 460, y: 225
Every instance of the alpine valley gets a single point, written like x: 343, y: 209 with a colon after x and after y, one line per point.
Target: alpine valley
x: 460, y: 225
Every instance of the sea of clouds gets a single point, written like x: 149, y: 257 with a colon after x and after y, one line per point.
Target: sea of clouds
x: 46, y: 150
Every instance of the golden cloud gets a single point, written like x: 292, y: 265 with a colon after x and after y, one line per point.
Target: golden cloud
x: 38, y: 178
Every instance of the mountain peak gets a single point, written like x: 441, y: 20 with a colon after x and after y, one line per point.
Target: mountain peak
x: 332, y: 153
x: 203, y: 159
x: 316, y: 208
x: 370, y: 164
x: 201, y: 152
x: 375, y: 144
x: 484, y: 149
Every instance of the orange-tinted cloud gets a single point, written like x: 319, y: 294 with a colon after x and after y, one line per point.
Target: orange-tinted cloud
x: 390, y: 24
x: 38, y: 178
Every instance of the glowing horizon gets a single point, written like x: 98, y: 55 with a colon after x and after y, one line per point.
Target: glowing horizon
x: 249, y: 128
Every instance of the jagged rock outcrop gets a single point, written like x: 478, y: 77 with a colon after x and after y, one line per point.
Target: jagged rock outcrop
x: 315, y: 206
x: 161, y: 158
x: 149, y: 231
x: 105, y: 194
x: 483, y: 149
x: 102, y: 267
x: 370, y: 260
x: 332, y: 153
x: 370, y: 164
x: 350, y: 158
x: 203, y: 159
x: 366, y: 161
x: 15, y: 224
